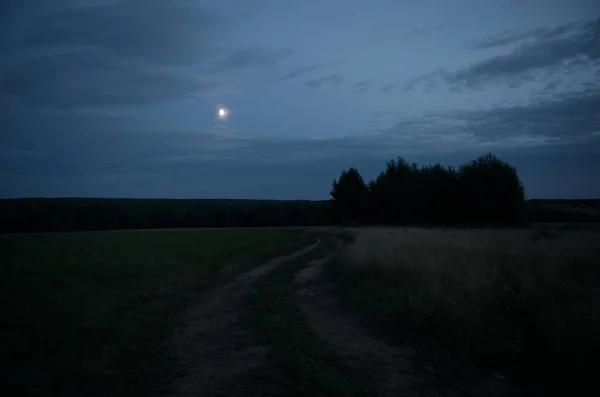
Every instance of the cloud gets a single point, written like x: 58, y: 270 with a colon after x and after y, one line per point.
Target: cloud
x: 380, y: 113
x: 361, y: 86
x: 84, y: 141
x: 334, y: 79
x: 540, y: 54
x: 300, y: 71
x: 509, y: 37
x: 551, y: 52
x: 569, y: 118
x: 127, y: 52
x: 93, y: 78
x: 427, y: 29
x: 173, y: 32
x: 388, y: 88
x: 248, y: 57
x: 41, y: 145
x: 428, y: 81
x: 565, y: 120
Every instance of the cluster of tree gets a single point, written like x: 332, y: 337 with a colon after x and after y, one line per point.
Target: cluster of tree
x: 47, y: 215
x: 483, y: 191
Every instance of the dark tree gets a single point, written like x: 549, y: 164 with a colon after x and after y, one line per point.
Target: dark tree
x: 393, y: 197
x: 438, y: 194
x: 47, y: 215
x: 484, y: 191
x: 491, y: 191
x: 349, y: 195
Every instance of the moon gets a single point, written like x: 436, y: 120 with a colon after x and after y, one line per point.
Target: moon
x: 222, y: 113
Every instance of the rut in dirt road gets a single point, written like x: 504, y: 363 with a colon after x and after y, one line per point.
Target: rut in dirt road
x: 211, y: 347
x: 388, y: 366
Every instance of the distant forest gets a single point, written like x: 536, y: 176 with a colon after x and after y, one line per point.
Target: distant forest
x: 67, y: 214
x: 485, y: 191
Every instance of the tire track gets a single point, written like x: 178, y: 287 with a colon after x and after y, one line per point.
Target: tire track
x: 211, y: 347
x: 389, y: 366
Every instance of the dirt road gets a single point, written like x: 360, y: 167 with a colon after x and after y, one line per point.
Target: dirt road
x: 389, y: 366
x: 215, y: 351
x: 210, y: 347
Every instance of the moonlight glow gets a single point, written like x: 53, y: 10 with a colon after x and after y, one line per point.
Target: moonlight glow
x: 222, y: 113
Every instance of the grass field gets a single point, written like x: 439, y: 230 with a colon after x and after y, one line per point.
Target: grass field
x: 519, y: 303
x: 88, y: 313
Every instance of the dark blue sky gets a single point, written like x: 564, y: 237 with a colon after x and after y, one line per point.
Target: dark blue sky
x: 120, y: 98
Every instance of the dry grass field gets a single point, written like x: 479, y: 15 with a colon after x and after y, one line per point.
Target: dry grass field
x: 522, y: 304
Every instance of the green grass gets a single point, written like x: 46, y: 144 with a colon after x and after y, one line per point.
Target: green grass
x: 89, y: 313
x: 522, y: 303
x: 303, y: 365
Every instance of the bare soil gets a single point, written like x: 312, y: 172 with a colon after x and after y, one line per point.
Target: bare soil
x: 214, y: 350
x: 392, y: 368
x: 211, y: 347
x: 389, y: 366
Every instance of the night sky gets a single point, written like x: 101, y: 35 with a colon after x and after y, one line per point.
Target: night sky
x: 121, y: 98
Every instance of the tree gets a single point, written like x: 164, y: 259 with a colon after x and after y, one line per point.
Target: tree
x: 491, y: 191
x: 485, y: 191
x: 393, y: 194
x: 349, y: 194
x: 438, y: 201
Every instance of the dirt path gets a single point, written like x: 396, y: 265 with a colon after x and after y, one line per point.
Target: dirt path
x: 213, y: 348
x: 210, y: 346
x: 389, y: 366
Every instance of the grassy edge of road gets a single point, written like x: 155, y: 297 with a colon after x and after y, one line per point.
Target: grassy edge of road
x: 302, y: 364
x: 90, y: 313
x: 509, y: 309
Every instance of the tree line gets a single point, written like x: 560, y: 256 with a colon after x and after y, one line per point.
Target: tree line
x: 73, y: 214
x: 486, y: 191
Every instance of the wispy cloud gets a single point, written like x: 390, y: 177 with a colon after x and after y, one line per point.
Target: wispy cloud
x: 569, y: 119
x: 128, y: 52
x: 566, y: 118
x: 388, y: 88
x: 87, y: 78
x: 86, y: 145
x: 300, y: 71
x: 427, y: 29
x: 543, y: 53
x: 333, y: 79
x: 383, y: 113
x: 509, y: 37
x: 362, y: 86
x: 174, y: 32
x: 552, y: 48
x: 248, y: 57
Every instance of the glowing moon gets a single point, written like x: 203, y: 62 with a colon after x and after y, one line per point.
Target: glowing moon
x: 222, y: 113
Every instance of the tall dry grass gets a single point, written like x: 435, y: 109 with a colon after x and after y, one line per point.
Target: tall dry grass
x: 520, y: 302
